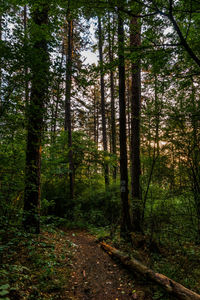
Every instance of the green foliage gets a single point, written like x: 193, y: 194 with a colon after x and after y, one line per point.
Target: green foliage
x: 170, y: 143
x: 92, y: 201
x: 97, y: 206
x: 4, y: 291
x: 32, y: 266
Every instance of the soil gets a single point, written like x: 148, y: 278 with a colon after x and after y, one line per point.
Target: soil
x: 96, y: 276
x: 65, y: 265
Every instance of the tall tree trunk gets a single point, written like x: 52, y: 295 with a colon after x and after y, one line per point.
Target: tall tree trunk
x: 55, y: 114
x: 0, y: 65
x: 58, y: 96
x: 125, y: 220
x: 103, y: 115
x: 39, y: 89
x: 68, y: 122
x: 195, y: 165
x: 156, y: 145
x: 129, y: 111
x: 135, y: 41
x: 112, y: 94
x: 95, y: 117
x: 25, y: 58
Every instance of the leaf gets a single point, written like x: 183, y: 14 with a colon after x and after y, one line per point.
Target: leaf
x: 4, y: 292
x: 5, y: 287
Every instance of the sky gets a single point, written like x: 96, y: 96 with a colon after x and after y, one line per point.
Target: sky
x: 90, y: 57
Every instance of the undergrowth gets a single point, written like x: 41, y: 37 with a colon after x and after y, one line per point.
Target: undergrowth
x: 35, y: 266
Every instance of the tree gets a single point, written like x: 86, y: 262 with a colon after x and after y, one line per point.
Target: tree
x: 125, y: 218
x: 103, y: 114
x: 135, y: 42
x: 25, y: 58
x: 0, y: 58
x: 68, y: 84
x: 112, y: 90
x: 39, y: 90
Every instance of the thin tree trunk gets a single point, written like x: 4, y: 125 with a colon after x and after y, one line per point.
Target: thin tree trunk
x: 95, y: 117
x: 39, y: 89
x: 195, y: 160
x: 155, y: 149
x: 68, y: 83
x: 112, y: 94
x: 157, y: 112
x: 25, y: 59
x: 0, y: 65
x: 103, y: 114
x: 55, y: 116
x: 135, y: 41
x: 125, y: 220
x: 129, y: 118
x: 129, y: 111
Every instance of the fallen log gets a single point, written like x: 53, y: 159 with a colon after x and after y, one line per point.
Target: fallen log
x: 171, y: 286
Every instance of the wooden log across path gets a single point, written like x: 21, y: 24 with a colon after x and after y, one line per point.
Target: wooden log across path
x: 171, y: 286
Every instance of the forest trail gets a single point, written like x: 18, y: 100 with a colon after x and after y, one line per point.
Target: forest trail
x: 96, y: 276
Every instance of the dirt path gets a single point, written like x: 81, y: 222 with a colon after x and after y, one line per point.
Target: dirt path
x: 96, y: 276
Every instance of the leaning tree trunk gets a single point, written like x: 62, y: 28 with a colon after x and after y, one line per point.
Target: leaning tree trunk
x: 135, y: 41
x: 39, y: 89
x: 125, y: 219
x: 103, y: 114
x: 68, y: 124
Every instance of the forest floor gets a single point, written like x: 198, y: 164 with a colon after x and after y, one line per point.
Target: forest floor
x: 70, y: 264
x: 66, y: 265
x: 96, y: 276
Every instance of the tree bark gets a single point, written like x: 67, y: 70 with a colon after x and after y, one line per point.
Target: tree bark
x: 112, y: 94
x: 57, y: 96
x: 68, y: 85
x: 39, y: 89
x: 195, y: 165
x: 0, y: 65
x: 103, y: 114
x: 171, y: 286
x: 135, y: 41
x: 95, y: 116
x: 125, y: 218
x: 156, y: 150
x: 25, y: 59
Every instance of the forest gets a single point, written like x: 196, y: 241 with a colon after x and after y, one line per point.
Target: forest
x: 99, y: 149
